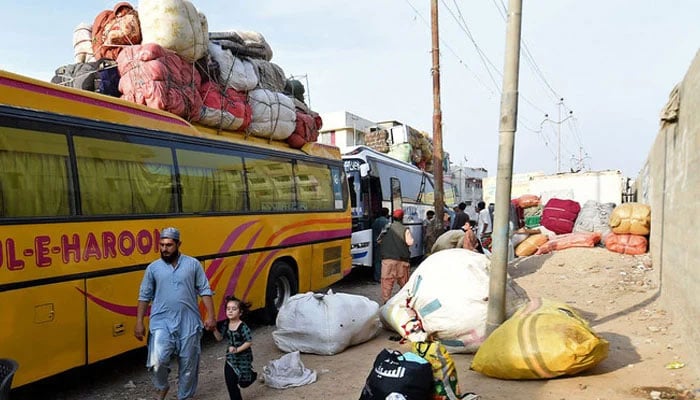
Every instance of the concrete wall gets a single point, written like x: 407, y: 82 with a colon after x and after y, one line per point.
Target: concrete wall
x: 670, y: 183
x: 601, y: 186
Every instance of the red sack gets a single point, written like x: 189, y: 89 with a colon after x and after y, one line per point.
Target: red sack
x: 114, y: 29
x: 528, y: 200
x: 159, y: 78
x: 559, y: 215
x: 296, y: 141
x: 626, y: 243
x: 229, y: 108
x: 568, y: 240
x: 306, y: 130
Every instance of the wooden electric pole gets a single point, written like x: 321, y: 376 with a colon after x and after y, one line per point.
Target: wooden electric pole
x: 437, y: 115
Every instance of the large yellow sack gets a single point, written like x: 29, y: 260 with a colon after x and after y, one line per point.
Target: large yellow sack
x: 634, y: 218
x: 544, y: 339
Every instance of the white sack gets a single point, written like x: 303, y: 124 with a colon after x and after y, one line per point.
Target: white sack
x: 175, y: 25
x: 219, y: 119
x: 274, y: 116
x: 325, y: 324
x: 287, y: 371
x: 82, y: 43
x: 234, y: 72
x: 595, y: 217
x: 448, y: 295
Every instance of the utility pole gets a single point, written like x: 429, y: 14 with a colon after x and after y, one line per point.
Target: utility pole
x: 504, y: 178
x: 580, y: 161
x: 558, y: 122
x: 561, y: 101
x: 437, y: 115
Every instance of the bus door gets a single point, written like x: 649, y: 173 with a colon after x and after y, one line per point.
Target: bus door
x: 372, y: 192
x: 415, y: 228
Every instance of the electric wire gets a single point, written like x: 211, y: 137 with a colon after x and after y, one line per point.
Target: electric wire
x: 490, y: 90
x: 489, y: 66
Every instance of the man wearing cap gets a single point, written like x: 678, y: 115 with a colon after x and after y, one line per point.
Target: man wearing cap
x: 394, y: 247
x: 171, y: 285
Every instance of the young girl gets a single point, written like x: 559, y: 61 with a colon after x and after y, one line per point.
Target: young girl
x: 238, y: 369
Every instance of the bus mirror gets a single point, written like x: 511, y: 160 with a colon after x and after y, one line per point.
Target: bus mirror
x: 364, y: 169
x: 396, y: 198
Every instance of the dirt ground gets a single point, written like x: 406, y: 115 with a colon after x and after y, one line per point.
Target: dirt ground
x: 617, y: 294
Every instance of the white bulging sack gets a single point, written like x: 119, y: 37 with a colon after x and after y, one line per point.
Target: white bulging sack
x: 446, y: 298
x: 325, y: 324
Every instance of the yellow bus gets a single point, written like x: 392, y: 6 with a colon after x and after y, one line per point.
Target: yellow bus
x: 86, y: 183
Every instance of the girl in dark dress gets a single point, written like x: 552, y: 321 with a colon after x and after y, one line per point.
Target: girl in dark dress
x: 238, y: 369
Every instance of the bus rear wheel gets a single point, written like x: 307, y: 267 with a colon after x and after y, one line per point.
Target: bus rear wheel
x: 281, y: 285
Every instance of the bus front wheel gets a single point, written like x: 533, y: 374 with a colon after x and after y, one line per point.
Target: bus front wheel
x: 281, y: 285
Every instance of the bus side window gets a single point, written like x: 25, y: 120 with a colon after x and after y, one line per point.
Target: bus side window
x: 34, y: 178
x: 123, y: 178
x: 211, y: 182
x: 270, y: 184
x: 315, y: 187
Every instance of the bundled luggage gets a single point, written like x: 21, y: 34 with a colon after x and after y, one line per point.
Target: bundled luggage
x: 445, y: 382
x: 559, y: 215
x: 544, y: 339
x: 163, y: 56
x: 325, y: 324
x: 99, y: 76
x: 406, y: 374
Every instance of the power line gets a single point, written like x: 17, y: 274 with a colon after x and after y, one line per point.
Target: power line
x: 454, y: 53
x: 527, y: 54
x: 462, y: 23
x: 489, y: 66
x: 465, y: 28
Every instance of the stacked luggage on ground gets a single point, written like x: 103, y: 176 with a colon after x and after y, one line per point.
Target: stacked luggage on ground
x: 163, y: 55
x: 564, y: 223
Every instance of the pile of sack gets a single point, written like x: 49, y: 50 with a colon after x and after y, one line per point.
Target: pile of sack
x: 563, y: 223
x: 417, y: 150
x: 163, y: 56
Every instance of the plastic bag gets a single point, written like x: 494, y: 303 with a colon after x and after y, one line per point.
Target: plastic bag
x: 287, y: 371
x: 394, y: 373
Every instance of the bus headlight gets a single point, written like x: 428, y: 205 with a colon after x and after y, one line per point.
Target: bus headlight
x: 361, y: 245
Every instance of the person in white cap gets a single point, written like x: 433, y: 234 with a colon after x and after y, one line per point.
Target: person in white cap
x: 171, y: 285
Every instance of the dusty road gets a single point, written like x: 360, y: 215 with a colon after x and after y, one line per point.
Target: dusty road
x: 617, y: 294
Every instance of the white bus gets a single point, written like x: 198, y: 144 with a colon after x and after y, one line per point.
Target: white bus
x: 377, y: 180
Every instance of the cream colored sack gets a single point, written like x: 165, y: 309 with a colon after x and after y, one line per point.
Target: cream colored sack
x: 175, y: 25
x: 634, y: 218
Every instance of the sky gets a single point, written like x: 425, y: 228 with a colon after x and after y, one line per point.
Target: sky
x: 613, y: 63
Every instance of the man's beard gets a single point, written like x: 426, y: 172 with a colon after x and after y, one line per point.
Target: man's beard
x: 169, y: 259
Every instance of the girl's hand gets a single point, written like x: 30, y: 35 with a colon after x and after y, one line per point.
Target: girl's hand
x: 231, y: 349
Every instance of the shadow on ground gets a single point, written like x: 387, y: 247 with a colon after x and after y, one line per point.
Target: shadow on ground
x: 527, y: 265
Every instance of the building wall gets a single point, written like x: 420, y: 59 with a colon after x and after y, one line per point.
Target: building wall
x: 343, y: 129
x: 670, y: 184
x: 601, y: 186
x: 469, y: 185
